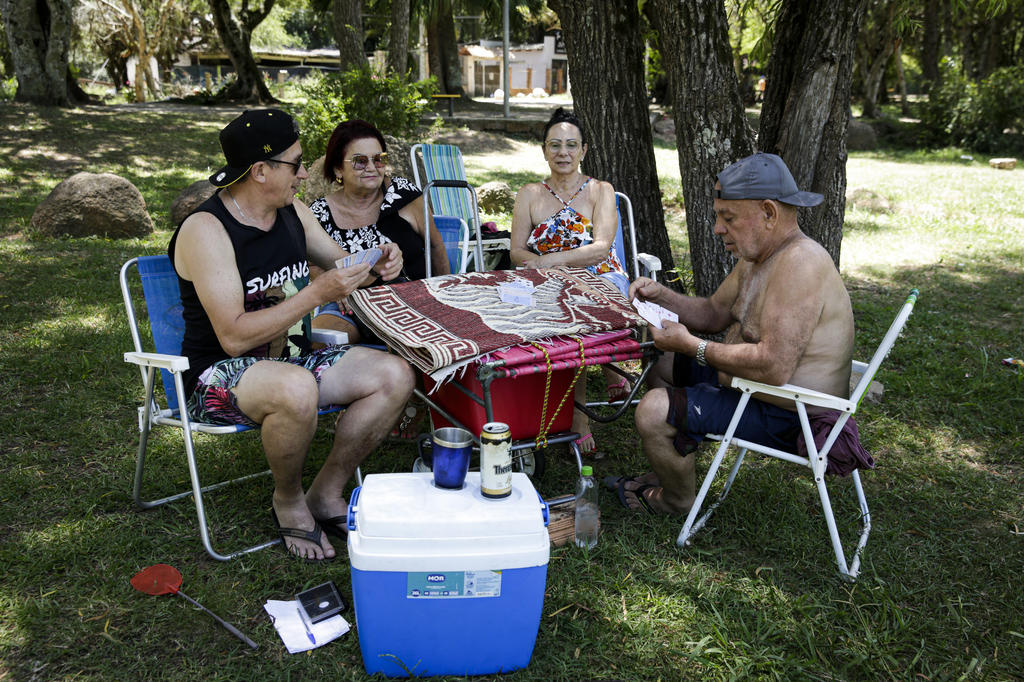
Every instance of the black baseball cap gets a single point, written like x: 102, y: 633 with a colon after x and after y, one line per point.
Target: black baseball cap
x: 256, y: 135
x: 763, y: 176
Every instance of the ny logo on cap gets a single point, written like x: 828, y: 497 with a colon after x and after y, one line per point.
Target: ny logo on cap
x: 267, y: 148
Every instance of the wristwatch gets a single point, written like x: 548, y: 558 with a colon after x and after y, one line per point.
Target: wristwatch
x: 701, y: 349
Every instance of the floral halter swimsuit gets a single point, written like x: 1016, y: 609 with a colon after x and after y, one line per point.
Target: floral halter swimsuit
x: 567, y: 229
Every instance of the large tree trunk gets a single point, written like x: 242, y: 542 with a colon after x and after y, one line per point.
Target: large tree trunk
x: 931, y: 44
x: 443, y: 48
x: 901, y: 79
x: 611, y: 102
x: 807, y: 106
x: 6, y: 60
x: 874, y: 54
x: 711, y: 129
x: 432, y: 26
x: 448, y: 49
x: 348, y: 31
x: 38, y: 36
x: 236, y: 37
x: 398, y: 40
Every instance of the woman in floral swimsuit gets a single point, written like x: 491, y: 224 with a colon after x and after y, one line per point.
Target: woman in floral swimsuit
x: 570, y: 219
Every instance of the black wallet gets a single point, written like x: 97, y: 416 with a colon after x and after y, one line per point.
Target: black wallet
x: 321, y: 602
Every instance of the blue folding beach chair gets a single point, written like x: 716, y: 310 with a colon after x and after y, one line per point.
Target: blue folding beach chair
x: 438, y: 169
x: 164, y: 311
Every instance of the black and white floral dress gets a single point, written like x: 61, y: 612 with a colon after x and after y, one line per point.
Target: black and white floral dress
x: 390, y: 227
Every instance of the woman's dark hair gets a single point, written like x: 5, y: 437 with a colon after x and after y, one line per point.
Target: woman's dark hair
x: 344, y: 134
x: 563, y: 116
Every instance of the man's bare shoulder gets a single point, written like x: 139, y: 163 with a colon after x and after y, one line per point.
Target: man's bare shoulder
x: 201, y: 237
x: 805, y: 257
x: 201, y: 229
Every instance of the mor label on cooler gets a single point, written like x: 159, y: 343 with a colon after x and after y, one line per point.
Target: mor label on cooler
x: 453, y: 584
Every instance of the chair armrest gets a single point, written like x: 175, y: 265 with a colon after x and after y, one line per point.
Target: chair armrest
x: 650, y: 265
x: 328, y: 337
x: 796, y: 394
x: 172, y: 363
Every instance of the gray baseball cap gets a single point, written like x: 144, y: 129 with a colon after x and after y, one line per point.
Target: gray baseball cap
x: 763, y: 176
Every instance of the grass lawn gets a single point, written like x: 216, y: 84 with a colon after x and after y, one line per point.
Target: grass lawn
x: 940, y: 593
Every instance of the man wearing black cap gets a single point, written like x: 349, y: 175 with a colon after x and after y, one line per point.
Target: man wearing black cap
x: 242, y: 260
x: 787, y: 319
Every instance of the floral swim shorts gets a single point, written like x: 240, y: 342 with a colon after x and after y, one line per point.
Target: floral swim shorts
x: 212, y: 400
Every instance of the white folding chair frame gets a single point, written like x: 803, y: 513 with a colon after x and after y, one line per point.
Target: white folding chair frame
x: 644, y: 264
x: 816, y: 461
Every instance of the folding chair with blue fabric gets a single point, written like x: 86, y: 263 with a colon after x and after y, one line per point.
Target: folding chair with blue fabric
x: 455, y: 235
x: 817, y: 457
x: 439, y: 171
x: 162, y: 300
x: 637, y: 264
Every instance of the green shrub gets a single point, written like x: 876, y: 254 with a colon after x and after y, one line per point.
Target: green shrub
x: 975, y: 114
x: 8, y: 88
x: 393, y: 103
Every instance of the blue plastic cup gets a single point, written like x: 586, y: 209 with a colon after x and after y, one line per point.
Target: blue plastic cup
x: 451, y: 451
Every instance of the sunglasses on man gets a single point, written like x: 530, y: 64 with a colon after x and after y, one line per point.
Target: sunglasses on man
x: 296, y: 165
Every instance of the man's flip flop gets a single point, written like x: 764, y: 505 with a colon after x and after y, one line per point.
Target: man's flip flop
x: 612, y: 482
x: 638, y: 491
x: 309, y: 535
x: 336, y: 526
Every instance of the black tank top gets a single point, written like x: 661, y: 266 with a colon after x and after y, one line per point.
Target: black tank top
x: 272, y: 265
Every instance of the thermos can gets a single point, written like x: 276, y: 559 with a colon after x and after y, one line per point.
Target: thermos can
x: 496, y: 460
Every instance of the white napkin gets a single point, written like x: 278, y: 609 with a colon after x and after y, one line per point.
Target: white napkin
x: 288, y: 622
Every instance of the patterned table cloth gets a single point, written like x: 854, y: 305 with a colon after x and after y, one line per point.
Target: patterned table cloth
x: 443, y: 323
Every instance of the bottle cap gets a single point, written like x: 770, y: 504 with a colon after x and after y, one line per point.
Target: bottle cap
x: 587, y: 471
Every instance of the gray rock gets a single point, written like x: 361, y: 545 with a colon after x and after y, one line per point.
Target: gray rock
x: 867, y: 200
x: 315, y: 186
x: 496, y: 197
x: 88, y: 204
x: 874, y: 392
x: 1007, y: 163
x: 860, y: 136
x: 665, y: 126
x: 398, y: 156
x: 189, y: 199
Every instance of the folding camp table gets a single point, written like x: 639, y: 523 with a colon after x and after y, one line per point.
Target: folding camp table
x: 530, y: 387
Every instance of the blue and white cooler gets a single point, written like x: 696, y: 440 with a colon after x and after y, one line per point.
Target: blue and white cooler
x: 446, y: 582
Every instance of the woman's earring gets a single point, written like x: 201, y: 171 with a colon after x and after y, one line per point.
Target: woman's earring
x: 340, y: 180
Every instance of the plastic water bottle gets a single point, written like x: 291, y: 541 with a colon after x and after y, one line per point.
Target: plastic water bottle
x: 588, y: 517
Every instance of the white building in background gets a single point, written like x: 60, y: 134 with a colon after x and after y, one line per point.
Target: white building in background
x: 542, y: 65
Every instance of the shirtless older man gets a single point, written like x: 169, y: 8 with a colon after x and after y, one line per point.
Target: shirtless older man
x: 787, y: 319
x: 242, y: 260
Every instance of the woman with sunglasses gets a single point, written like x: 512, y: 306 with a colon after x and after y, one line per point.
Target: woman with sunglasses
x: 367, y: 208
x: 570, y: 219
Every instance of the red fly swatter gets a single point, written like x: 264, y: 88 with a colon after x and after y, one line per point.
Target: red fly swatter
x: 164, y: 579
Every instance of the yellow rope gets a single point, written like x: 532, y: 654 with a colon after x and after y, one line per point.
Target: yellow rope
x: 542, y: 437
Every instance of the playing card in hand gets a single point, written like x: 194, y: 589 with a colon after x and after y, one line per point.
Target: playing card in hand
x: 654, y: 313
x: 370, y: 256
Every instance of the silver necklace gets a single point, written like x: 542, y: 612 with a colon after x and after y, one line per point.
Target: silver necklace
x: 232, y: 195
